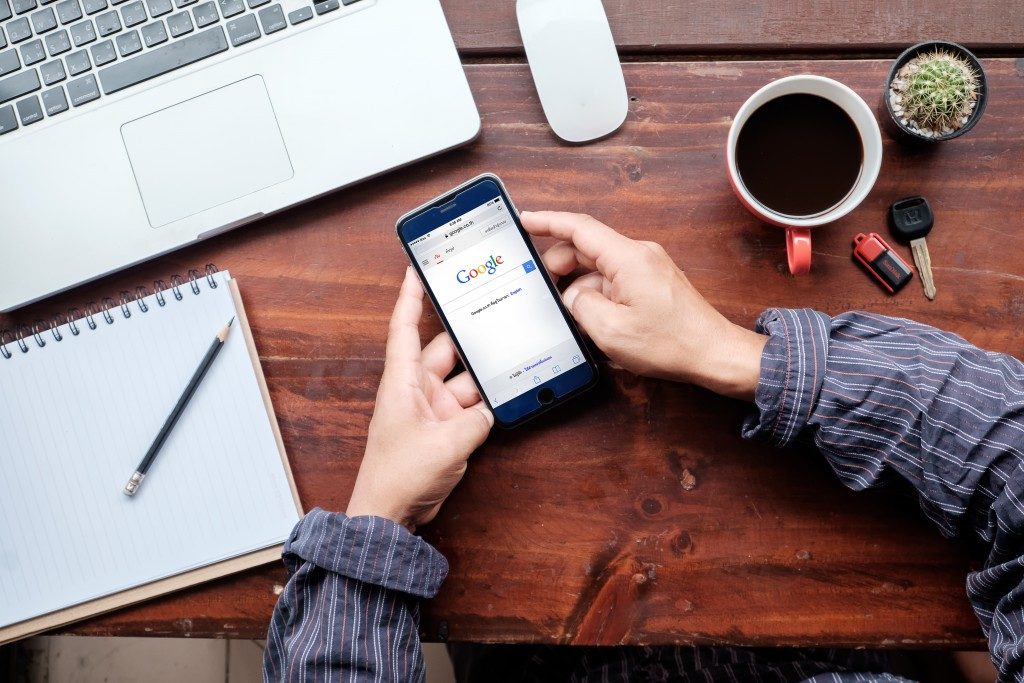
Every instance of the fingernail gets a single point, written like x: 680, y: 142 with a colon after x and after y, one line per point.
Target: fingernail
x: 570, y: 296
x: 488, y: 415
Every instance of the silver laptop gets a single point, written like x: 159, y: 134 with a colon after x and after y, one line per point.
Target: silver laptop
x: 129, y: 128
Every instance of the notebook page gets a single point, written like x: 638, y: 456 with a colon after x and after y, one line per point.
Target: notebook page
x: 77, y: 416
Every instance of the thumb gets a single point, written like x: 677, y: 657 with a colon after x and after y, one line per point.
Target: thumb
x: 591, y: 310
x: 468, y: 430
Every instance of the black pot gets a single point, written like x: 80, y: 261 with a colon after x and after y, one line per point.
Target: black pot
x: 896, y: 127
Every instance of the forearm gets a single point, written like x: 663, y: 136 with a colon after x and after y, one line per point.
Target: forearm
x: 882, y: 398
x: 350, y: 610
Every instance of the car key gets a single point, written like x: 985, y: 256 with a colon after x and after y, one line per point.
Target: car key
x: 911, y: 220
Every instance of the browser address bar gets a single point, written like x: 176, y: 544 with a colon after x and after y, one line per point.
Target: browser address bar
x: 472, y: 220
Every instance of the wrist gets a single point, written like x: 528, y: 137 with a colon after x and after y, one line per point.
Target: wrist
x: 733, y: 364
x: 358, y: 506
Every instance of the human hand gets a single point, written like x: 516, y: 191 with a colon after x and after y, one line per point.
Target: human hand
x: 641, y: 310
x: 423, y: 429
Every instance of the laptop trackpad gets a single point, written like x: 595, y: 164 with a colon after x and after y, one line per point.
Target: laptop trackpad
x: 206, y: 151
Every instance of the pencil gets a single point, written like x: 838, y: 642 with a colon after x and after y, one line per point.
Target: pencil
x: 135, y: 481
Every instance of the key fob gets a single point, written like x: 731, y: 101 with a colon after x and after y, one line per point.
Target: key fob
x: 911, y: 218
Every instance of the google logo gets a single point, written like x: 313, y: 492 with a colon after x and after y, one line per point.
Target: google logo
x: 490, y: 267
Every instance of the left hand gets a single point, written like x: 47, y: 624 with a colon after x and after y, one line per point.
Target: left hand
x: 423, y: 428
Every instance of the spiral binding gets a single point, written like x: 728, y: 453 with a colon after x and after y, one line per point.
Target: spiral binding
x: 26, y: 338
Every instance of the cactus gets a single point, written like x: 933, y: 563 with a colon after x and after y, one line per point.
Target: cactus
x: 937, y: 91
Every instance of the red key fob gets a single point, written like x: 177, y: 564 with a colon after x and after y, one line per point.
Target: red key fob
x: 881, y: 261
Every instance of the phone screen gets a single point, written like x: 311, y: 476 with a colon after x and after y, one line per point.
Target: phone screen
x: 488, y: 283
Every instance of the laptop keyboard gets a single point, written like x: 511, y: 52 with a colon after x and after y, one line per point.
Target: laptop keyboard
x: 60, y: 54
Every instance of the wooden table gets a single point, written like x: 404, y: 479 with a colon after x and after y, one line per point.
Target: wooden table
x: 638, y: 515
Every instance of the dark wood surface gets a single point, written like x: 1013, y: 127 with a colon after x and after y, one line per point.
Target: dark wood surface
x: 637, y: 514
x: 738, y: 27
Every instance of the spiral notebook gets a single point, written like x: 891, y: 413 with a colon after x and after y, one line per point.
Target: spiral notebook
x: 80, y: 402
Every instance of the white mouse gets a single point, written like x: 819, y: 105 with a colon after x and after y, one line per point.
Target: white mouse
x: 575, y: 66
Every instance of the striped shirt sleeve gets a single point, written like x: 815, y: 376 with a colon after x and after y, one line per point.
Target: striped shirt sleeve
x: 883, y: 398
x: 350, y: 610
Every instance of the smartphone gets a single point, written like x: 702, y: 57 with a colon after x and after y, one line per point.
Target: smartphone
x: 493, y: 295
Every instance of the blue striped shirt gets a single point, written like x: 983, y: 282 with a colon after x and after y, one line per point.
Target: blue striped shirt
x: 880, y: 397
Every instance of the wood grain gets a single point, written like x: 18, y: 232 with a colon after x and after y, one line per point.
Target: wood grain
x: 637, y: 514
x: 739, y: 27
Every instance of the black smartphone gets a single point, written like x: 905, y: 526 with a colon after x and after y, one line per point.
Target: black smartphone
x: 493, y: 295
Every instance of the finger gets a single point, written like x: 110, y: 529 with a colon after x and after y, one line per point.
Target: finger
x: 404, y: 332
x: 607, y: 249
x: 463, y: 388
x: 592, y: 311
x: 563, y: 258
x: 594, y: 281
x: 439, y: 356
x: 468, y: 430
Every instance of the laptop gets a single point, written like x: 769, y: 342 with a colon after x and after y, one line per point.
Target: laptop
x: 130, y: 128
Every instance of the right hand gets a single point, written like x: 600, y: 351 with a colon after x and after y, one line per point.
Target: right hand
x: 640, y: 309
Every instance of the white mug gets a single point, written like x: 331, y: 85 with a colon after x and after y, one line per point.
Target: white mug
x: 798, y: 229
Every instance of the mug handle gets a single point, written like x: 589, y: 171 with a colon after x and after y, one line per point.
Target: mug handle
x: 798, y: 248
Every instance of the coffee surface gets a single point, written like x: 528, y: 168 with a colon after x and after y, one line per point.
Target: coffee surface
x: 799, y: 154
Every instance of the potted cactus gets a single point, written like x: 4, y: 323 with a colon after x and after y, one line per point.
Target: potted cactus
x: 935, y: 91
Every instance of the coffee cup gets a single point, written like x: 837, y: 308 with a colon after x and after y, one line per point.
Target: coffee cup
x: 803, y: 151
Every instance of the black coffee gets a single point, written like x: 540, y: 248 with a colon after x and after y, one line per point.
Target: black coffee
x: 799, y: 155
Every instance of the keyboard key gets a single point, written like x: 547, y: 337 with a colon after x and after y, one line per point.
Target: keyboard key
x: 78, y: 62
x: 19, y: 30
x: 83, y: 33
x: 32, y: 53
x: 205, y: 14
x: 68, y: 11
x: 3, y: 39
x: 243, y: 30
x: 253, y: 4
x: 5, y: 10
x: 30, y: 111
x: 94, y: 6
x: 52, y: 72
x: 82, y: 90
x: 230, y: 8
x: 129, y: 43
x: 300, y: 15
x: 107, y: 24
x: 103, y: 53
x: 8, y: 121
x: 54, y: 101
x: 272, y: 19
x: 9, y: 61
x: 19, y: 85
x: 158, y: 8
x: 154, y: 33
x: 44, y: 20
x: 179, y: 24
x: 133, y: 14
x: 183, y: 3
x: 161, y: 60
x: 58, y: 43
x: 349, y: 2
x: 326, y: 6
x: 22, y: 6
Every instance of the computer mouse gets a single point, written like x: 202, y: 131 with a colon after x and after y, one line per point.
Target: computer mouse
x: 575, y: 66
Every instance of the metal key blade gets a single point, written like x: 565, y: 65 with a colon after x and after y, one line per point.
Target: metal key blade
x: 923, y: 261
